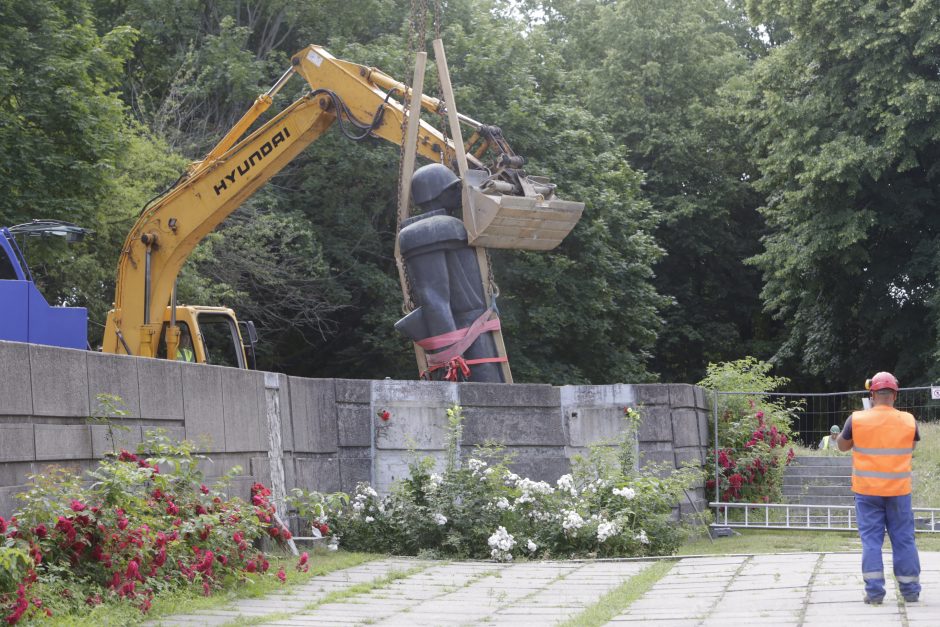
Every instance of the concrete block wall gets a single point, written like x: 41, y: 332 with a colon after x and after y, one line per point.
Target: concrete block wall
x: 331, y: 434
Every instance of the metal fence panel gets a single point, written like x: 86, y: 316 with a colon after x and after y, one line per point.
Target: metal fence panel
x: 812, y: 416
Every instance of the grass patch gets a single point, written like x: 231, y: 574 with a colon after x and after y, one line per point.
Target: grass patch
x: 801, y: 450
x: 763, y: 541
x: 620, y: 598
x: 927, y: 466
x: 192, y: 600
x: 925, y: 542
x: 754, y: 541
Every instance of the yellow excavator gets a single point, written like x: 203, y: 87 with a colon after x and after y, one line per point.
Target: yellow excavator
x: 512, y: 209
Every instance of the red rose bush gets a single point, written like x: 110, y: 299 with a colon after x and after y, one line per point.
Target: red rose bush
x: 754, y: 434
x: 146, y: 523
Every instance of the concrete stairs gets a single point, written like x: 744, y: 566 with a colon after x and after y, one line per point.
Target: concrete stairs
x: 823, y: 480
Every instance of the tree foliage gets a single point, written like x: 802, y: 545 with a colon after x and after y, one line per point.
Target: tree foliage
x: 844, y: 122
x: 654, y: 71
x: 309, y: 257
x: 67, y: 149
x: 672, y: 120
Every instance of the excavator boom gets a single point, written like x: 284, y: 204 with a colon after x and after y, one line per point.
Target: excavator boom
x: 170, y: 228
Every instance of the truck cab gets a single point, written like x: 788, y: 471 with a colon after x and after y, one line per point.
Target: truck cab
x: 25, y: 315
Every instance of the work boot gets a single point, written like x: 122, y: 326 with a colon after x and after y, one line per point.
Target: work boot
x: 911, y: 598
x: 871, y: 601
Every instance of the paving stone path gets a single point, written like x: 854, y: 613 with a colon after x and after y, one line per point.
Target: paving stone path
x: 823, y: 589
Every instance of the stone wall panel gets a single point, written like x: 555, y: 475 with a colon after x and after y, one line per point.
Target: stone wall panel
x: 202, y: 406
x: 533, y: 426
x: 115, y: 375
x: 243, y: 412
x: 55, y: 442
x: 15, y: 399
x: 314, y: 415
x: 161, y: 388
x: 685, y: 427
x: 655, y: 425
x: 59, y: 381
x: 17, y: 442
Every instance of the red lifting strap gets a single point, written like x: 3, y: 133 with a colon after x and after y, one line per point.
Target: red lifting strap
x: 456, y: 342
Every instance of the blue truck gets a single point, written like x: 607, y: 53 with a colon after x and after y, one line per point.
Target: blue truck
x: 25, y: 315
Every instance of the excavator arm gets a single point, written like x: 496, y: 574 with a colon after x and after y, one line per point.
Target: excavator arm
x: 168, y: 230
x: 508, y: 208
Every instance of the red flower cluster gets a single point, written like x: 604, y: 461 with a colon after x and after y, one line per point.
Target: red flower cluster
x: 113, y: 548
x: 265, y: 511
x: 743, y: 473
x: 127, y: 456
x: 763, y: 433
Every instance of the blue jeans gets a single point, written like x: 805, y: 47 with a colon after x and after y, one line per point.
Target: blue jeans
x: 875, y: 514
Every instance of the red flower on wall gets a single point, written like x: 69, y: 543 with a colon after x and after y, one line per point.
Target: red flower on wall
x: 384, y: 415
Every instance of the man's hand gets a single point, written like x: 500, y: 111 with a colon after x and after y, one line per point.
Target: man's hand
x: 844, y: 445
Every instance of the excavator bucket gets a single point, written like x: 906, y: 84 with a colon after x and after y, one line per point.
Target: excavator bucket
x: 499, y: 217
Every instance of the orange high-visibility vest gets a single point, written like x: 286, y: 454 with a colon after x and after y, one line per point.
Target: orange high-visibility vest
x: 883, y: 442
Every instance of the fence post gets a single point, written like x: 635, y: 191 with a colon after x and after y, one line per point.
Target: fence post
x: 272, y: 386
x: 715, y: 408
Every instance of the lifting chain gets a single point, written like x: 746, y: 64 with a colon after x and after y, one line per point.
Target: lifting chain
x: 417, y: 36
x: 491, y: 286
x: 417, y: 40
x: 445, y: 127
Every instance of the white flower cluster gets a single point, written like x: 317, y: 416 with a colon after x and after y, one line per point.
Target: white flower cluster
x: 501, y: 543
x: 641, y: 537
x: 370, y: 519
x: 627, y: 493
x: 440, y: 518
x: 363, y: 493
x: 596, y: 485
x: 530, y: 489
x: 606, y: 530
x: 436, y: 479
x: 531, y: 546
x: 503, y: 503
x: 572, y: 522
x: 511, y: 479
x: 476, y: 466
x: 566, y: 484
x: 541, y: 516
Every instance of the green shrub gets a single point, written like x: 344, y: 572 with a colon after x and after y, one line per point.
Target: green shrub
x: 754, y: 432
x: 481, y: 509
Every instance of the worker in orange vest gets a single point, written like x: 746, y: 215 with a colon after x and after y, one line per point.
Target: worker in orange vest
x: 882, y: 441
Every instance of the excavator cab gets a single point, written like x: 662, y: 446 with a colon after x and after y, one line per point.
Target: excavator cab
x: 209, y: 335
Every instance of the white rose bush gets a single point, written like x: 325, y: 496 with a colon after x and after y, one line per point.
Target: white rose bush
x: 478, y: 508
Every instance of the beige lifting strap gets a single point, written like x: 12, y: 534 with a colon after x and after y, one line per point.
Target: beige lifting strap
x: 456, y: 136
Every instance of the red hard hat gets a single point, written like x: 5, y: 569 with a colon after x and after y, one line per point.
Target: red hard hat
x: 884, y: 381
